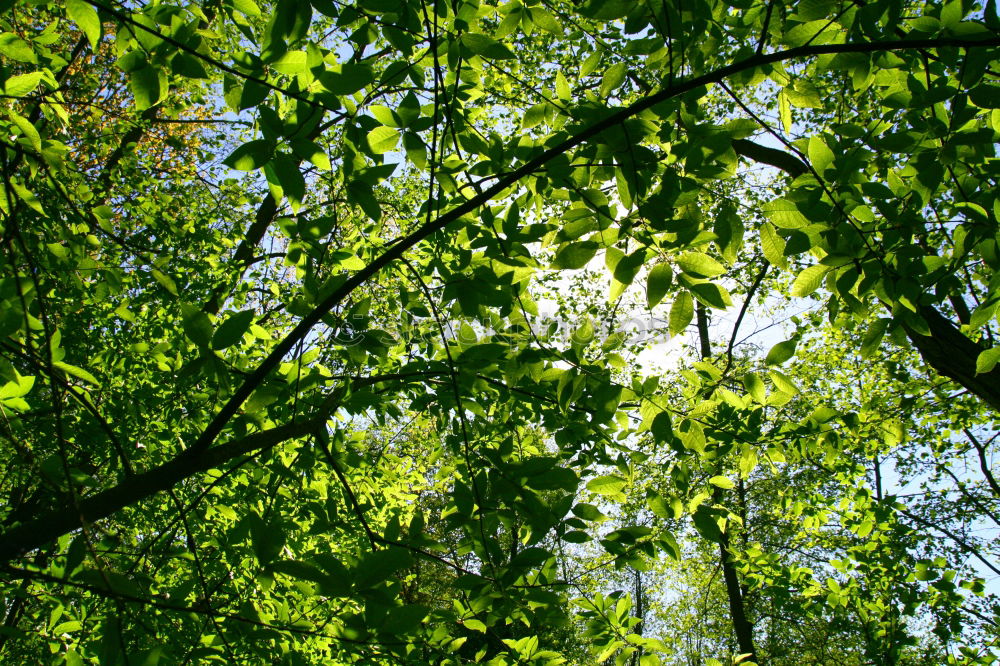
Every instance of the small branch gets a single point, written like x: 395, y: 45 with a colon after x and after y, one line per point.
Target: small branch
x: 962, y: 543
x: 984, y: 464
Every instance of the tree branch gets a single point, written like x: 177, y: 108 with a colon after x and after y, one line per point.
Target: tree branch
x: 398, y: 249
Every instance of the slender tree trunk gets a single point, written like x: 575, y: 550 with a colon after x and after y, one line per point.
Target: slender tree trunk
x: 878, y: 478
x: 734, y: 593
x: 741, y: 625
x: 639, y: 612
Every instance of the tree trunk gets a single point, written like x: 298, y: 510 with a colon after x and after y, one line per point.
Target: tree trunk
x: 947, y: 350
x: 741, y: 625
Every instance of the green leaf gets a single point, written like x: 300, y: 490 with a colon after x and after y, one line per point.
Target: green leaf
x: 534, y: 116
x: 699, y: 264
x: 309, y: 150
x: 575, y: 255
x: 165, y: 281
x: 783, y: 383
x: 723, y: 482
x: 380, y: 565
x: 987, y: 360
x: 381, y: 6
x: 291, y: 63
x: 361, y: 193
x: 563, y: 91
x: 185, y: 64
x: 706, y: 524
x: 290, y: 21
x: 588, y: 512
x: 662, y: 427
x: 576, y: 536
x: 350, y: 79
x: 251, y: 155
x: 809, y: 280
x: 658, y: 284
x: 605, y: 10
x: 951, y: 13
x: 873, y: 337
x: 197, y: 325
x: 474, y: 625
x: 626, y: 268
x: 681, y: 313
x: 545, y: 20
x: 660, y: 508
x: 785, y: 111
x: 755, y: 387
x: 267, y: 538
x: 300, y: 570
x: 487, y: 47
x: 590, y: 63
x: 79, y: 373
x: 985, y: 96
x: 383, y: 139
x: 819, y: 154
x: 15, y: 48
x: 583, y: 335
x: 614, y: 77
x: 28, y: 197
x: 145, y: 86
x: 803, y: 93
x: 132, y: 60
x: 251, y: 95
x: 17, y: 388
x: 785, y: 214
x: 748, y: 461
x: 22, y: 84
x: 232, y: 330
x: 773, y: 247
x: 248, y: 7
x: 87, y: 19
x: 711, y: 294
x: 606, y: 485
x: 984, y: 312
x: 780, y: 352
x: 406, y: 619
x: 284, y: 171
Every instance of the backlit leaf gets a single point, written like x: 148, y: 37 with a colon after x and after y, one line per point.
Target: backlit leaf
x: 700, y: 265
x: 809, y: 280
x: 486, y: 47
x: 681, y: 313
x: 86, y: 18
x: 22, y: 84
x: 575, y: 255
x: 781, y: 352
x: 658, y: 283
x: 606, y: 485
x: 250, y: 156
x: 383, y: 139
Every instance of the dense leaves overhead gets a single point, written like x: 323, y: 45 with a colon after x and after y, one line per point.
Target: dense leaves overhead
x: 318, y: 332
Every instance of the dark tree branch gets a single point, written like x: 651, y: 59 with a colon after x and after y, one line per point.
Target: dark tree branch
x: 947, y: 350
x: 34, y: 533
x: 200, y: 456
x: 779, y: 159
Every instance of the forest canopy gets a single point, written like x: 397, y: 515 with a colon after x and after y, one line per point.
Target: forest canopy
x: 623, y: 332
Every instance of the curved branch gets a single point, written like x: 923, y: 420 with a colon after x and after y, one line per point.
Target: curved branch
x: 201, y: 456
x: 396, y: 251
